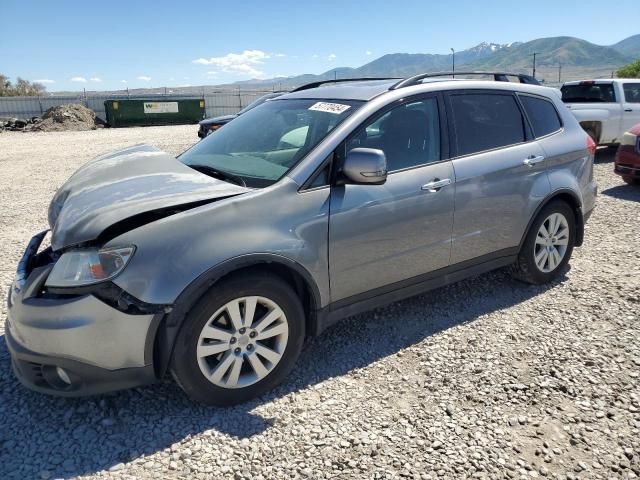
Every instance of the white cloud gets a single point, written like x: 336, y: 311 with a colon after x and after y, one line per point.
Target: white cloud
x: 212, y: 74
x: 368, y: 52
x: 185, y: 78
x: 280, y: 55
x: 45, y: 80
x: 95, y: 79
x: 332, y: 57
x: 144, y: 78
x: 79, y: 79
x: 184, y: 86
x: 123, y: 81
x: 315, y: 55
x: 242, y: 63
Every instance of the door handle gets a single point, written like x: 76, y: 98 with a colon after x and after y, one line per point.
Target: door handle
x: 532, y: 160
x: 628, y: 110
x: 436, y: 184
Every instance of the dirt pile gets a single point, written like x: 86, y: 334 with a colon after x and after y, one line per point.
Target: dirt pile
x: 66, y: 117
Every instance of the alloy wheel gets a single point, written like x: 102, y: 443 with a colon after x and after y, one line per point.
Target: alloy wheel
x: 551, y: 242
x: 242, y: 342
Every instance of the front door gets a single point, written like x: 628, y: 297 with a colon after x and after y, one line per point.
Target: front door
x: 387, y: 235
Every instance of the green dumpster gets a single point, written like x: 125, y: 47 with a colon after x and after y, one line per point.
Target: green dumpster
x: 130, y: 113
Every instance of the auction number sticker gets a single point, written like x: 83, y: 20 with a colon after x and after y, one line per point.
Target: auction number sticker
x: 160, y: 107
x: 336, y: 108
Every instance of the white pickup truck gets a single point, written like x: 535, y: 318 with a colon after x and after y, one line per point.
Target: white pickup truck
x: 605, y: 108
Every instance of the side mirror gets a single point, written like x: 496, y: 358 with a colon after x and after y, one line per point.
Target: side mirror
x: 366, y: 166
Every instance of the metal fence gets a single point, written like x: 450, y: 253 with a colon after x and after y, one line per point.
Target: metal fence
x: 217, y: 103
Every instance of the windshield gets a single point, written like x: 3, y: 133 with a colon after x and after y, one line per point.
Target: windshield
x: 588, y: 92
x: 259, y: 147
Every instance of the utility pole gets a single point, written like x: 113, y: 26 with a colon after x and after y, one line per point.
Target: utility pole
x: 534, y: 64
x: 559, y: 72
x: 453, y: 62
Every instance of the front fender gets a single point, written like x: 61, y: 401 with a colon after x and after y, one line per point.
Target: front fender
x: 173, y: 252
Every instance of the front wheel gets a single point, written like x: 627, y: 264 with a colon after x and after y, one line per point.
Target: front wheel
x: 239, y: 341
x: 548, y: 246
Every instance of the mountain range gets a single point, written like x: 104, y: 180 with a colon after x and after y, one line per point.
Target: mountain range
x: 514, y: 57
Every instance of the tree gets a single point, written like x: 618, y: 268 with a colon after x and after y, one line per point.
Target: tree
x: 5, y: 86
x: 630, y: 71
x: 22, y: 88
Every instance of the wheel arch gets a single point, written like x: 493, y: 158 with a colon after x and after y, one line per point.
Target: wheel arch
x: 288, y: 270
x: 571, y: 198
x: 595, y: 126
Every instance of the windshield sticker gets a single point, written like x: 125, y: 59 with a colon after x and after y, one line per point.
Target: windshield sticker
x: 336, y: 108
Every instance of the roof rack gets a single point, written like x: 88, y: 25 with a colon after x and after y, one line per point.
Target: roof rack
x: 340, y: 80
x: 497, y: 76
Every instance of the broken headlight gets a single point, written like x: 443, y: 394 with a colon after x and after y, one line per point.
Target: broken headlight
x: 88, y: 266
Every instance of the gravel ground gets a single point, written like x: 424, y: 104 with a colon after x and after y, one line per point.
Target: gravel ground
x: 488, y: 378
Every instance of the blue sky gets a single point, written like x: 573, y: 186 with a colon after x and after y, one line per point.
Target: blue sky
x: 101, y: 45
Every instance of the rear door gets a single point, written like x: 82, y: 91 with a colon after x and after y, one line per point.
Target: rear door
x: 631, y: 105
x: 387, y: 236
x: 500, y: 173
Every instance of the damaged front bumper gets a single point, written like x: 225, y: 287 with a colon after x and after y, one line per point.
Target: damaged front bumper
x: 76, y: 344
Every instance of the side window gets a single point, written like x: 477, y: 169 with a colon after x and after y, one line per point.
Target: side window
x: 409, y: 134
x: 542, y: 115
x: 631, y: 92
x: 485, y: 121
x: 321, y: 179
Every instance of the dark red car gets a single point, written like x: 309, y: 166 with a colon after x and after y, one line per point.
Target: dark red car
x: 628, y: 156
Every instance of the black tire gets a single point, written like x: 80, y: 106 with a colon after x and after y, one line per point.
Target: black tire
x: 631, y: 180
x: 525, y: 268
x: 184, y: 365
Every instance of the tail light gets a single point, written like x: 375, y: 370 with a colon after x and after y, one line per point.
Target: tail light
x: 591, y: 146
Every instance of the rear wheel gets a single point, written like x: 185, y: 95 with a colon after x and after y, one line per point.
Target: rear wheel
x: 548, y: 246
x: 239, y: 341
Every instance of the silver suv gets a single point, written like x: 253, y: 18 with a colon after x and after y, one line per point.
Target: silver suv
x: 314, y: 206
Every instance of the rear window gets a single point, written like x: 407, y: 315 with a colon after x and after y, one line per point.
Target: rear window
x: 486, y: 121
x: 542, y: 115
x: 587, y: 93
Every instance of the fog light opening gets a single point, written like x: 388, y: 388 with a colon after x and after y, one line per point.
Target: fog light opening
x: 58, y: 378
x: 61, y: 372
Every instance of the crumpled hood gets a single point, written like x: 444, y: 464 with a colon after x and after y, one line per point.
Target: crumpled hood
x: 121, y: 185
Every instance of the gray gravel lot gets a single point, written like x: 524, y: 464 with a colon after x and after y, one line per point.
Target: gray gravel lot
x: 488, y: 378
